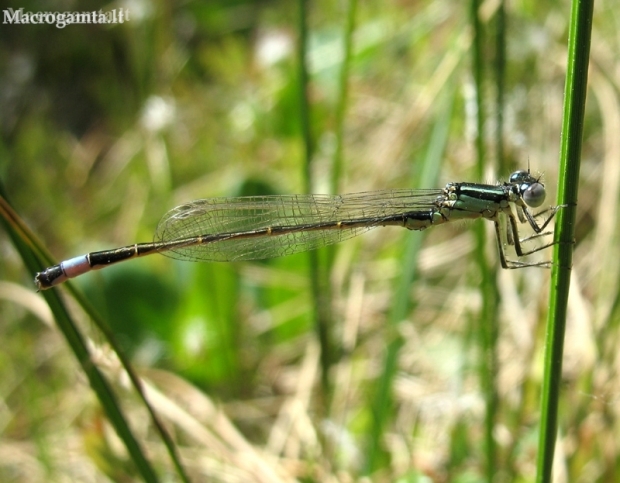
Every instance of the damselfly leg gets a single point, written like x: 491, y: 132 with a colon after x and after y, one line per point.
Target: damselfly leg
x: 513, y: 237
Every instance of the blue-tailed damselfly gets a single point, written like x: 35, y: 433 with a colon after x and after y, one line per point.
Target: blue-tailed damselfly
x: 258, y: 227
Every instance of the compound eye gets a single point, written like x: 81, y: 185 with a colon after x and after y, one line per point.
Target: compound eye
x: 518, y: 176
x: 534, y: 195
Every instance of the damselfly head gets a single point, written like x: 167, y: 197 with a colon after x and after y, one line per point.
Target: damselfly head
x: 532, y: 191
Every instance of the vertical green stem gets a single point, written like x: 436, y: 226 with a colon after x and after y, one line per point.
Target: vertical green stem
x: 487, y: 328
x: 382, y: 405
x: 304, y: 104
x: 318, y: 264
x: 579, y: 37
x: 500, y: 78
x: 343, y: 95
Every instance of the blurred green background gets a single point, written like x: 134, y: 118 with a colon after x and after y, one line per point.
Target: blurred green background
x: 105, y: 128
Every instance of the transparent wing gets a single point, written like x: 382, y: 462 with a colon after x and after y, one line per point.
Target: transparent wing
x: 310, y: 222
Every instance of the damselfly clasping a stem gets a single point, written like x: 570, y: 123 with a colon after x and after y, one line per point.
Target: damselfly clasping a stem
x: 258, y: 227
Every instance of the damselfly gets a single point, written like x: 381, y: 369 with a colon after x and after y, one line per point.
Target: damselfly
x: 258, y: 227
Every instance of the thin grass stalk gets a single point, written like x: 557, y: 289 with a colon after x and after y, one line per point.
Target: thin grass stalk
x: 487, y: 321
x: 74, y: 338
x: 430, y: 168
x: 39, y: 254
x: 579, y: 37
x: 341, y: 110
x: 500, y: 81
x: 499, y: 68
x: 316, y: 258
x: 304, y: 103
x: 329, y: 253
x: 136, y: 382
x: 343, y: 96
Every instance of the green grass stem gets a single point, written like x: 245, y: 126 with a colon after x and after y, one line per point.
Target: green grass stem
x: 35, y: 258
x: 318, y: 259
x: 343, y: 94
x: 487, y: 320
x: 430, y: 167
x: 579, y: 39
x: 77, y: 343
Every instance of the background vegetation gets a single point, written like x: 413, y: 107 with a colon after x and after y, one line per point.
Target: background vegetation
x: 106, y: 128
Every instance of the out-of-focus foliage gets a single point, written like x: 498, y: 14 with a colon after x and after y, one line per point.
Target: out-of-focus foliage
x: 105, y: 128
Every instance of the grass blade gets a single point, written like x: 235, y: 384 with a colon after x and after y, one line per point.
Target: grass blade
x: 572, y: 130
x: 343, y: 88
x: 318, y: 261
x: 401, y: 306
x: 23, y: 240
x: 487, y: 319
x: 74, y: 338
